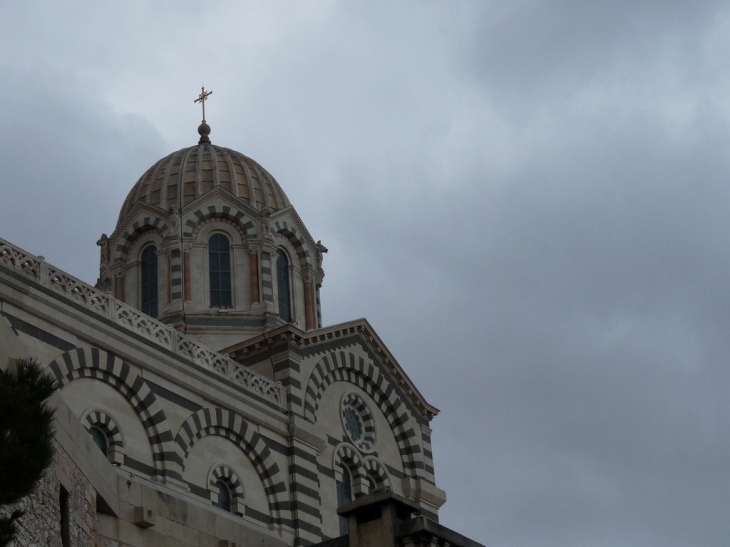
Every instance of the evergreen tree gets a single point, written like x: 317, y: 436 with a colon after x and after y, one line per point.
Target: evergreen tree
x: 26, y: 436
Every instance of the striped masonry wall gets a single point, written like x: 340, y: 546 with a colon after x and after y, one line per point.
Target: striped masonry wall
x: 230, y: 425
x: 346, y: 366
x: 112, y: 370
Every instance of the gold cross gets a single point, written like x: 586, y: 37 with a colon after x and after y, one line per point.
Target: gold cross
x: 202, y: 98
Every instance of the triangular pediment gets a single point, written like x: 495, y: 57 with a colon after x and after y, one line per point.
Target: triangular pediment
x: 224, y: 196
x: 139, y: 211
x: 310, y: 342
x: 290, y: 214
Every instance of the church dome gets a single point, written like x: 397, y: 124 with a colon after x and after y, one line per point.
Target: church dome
x: 208, y: 241
x: 183, y: 176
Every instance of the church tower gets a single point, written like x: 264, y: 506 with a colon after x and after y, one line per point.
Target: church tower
x: 208, y: 242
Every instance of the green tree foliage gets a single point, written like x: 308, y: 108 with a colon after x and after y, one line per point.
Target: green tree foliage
x: 26, y: 436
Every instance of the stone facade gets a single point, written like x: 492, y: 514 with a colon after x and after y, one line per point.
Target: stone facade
x: 216, y: 424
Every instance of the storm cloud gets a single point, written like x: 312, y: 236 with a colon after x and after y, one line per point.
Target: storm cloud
x: 529, y: 201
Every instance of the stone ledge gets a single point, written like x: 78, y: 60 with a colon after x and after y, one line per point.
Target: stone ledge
x: 427, y: 532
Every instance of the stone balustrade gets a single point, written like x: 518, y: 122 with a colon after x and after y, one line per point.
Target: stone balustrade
x: 99, y: 302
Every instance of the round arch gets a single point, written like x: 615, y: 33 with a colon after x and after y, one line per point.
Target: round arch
x: 134, y: 232
x: 222, y: 472
x: 377, y: 472
x: 194, y: 220
x: 227, y: 224
x: 233, y: 427
x: 345, y: 366
x: 297, y: 243
x: 113, y: 371
x: 346, y: 455
x: 100, y: 419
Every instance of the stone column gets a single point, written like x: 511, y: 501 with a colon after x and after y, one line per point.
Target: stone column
x: 186, y: 275
x: 268, y: 281
x: 119, y: 286
x: 318, y: 306
x: 309, y: 315
x: 255, y: 295
x: 168, y: 284
x: 163, y: 279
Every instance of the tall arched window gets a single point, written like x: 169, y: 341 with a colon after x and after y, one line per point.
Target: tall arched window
x: 148, y: 266
x: 283, y: 285
x: 219, y: 260
x: 344, y: 496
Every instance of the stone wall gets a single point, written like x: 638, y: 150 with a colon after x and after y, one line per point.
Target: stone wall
x: 41, y: 524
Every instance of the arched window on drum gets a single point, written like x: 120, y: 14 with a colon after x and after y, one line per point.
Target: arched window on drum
x: 219, y: 269
x: 283, y: 284
x: 148, y: 267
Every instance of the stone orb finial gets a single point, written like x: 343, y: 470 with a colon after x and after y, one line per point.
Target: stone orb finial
x: 204, y: 131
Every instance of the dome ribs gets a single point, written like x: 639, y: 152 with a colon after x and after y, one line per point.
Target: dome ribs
x: 250, y: 184
x: 183, y: 176
x: 186, y: 186
x: 262, y: 196
x: 231, y: 172
x: 162, y: 178
x: 198, y: 174
x: 149, y: 185
x: 279, y: 196
x: 243, y: 188
x: 208, y: 171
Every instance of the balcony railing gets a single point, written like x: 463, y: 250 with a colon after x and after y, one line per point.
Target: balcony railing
x: 105, y: 305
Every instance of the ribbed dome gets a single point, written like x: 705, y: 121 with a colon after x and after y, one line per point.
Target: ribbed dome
x: 185, y: 175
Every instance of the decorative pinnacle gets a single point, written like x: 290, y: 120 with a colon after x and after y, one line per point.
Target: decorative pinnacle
x: 203, y: 128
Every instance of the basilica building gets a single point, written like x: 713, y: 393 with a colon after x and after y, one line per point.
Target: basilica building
x: 201, y: 401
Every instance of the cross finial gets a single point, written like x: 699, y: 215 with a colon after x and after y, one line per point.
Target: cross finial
x: 202, y: 98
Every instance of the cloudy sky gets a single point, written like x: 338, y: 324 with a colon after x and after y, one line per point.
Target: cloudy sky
x: 529, y: 201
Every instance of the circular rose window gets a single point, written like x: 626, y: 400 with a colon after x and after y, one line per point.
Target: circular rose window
x: 357, y: 421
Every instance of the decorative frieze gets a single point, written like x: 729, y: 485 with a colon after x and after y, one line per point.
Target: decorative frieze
x: 19, y: 260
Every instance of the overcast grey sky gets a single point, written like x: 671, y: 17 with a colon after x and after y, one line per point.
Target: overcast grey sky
x: 528, y: 200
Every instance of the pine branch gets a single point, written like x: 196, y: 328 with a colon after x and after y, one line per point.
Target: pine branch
x: 26, y: 430
x: 8, y: 529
